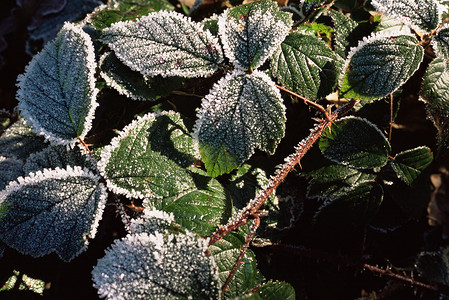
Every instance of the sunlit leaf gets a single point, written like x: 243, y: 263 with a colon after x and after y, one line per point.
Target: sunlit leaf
x: 157, y: 266
x: 150, y: 159
x: 251, y: 32
x: 242, y: 112
x: 391, y: 26
x: 164, y: 43
x: 333, y: 181
x: 440, y: 42
x: 409, y: 164
x: 125, y: 10
x: 225, y: 253
x: 424, y: 15
x: 52, y: 211
x: 343, y: 28
x: 133, y: 84
x: 57, y: 93
x: 20, y: 141
x: 356, y: 143
x: 379, y: 65
x: 306, y: 65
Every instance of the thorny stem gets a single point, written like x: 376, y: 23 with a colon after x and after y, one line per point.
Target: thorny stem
x: 292, y: 161
x: 248, y: 240
x: 332, y: 258
x: 306, y: 101
x: 85, y: 145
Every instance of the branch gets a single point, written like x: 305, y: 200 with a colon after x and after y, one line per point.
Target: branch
x: 291, y: 161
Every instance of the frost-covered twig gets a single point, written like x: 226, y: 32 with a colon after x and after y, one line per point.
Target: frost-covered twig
x: 291, y: 161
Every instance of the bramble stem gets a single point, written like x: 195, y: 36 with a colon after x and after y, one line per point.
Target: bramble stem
x: 332, y: 258
x: 391, y: 118
x: 85, y: 145
x: 306, y: 101
x: 248, y: 240
x: 292, y: 160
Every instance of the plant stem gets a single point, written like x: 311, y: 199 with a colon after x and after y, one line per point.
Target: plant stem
x: 332, y: 258
x: 391, y: 118
x: 291, y: 162
x: 306, y: 101
x: 245, y: 246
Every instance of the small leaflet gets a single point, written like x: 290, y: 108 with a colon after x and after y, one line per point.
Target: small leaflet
x: 356, y: 143
x: 242, y: 112
x: 165, y: 43
x: 304, y: 64
x: 157, y: 265
x: 421, y: 15
x: 251, y: 32
x: 409, y: 164
x: 20, y: 141
x: 52, y: 211
x: 379, y: 65
x: 57, y: 93
x: 440, y: 42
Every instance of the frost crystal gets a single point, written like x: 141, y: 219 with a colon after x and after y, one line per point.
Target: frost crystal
x: 251, y: 33
x: 52, y: 211
x: 165, y: 43
x: 421, y: 15
x: 157, y: 266
x: 151, y: 221
x: 57, y: 93
x: 242, y: 112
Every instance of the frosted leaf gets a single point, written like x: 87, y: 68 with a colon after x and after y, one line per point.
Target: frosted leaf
x: 409, y: 164
x: 57, y: 93
x: 251, y: 32
x: 151, y: 221
x: 157, y: 266
x: 133, y: 84
x: 304, y: 64
x: 20, y: 141
x: 355, y: 142
x: 421, y: 15
x: 379, y: 65
x: 391, y: 26
x: 10, y: 169
x: 52, y: 211
x: 272, y: 291
x: 150, y: 159
x: 440, y: 42
x: 125, y: 10
x: 242, y: 112
x: 57, y: 156
x: 164, y: 43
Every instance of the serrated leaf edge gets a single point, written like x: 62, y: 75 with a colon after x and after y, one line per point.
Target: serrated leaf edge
x: 91, y: 66
x: 434, y: 43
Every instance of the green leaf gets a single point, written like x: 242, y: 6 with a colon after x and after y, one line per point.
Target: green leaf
x: 272, y: 291
x: 52, y: 211
x: 434, y: 266
x: 19, y: 140
x: 10, y: 170
x: 304, y: 64
x: 379, y: 65
x: 57, y: 93
x: 333, y: 181
x: 165, y: 43
x: 126, y: 10
x: 352, y: 210
x: 409, y: 164
x: 356, y: 143
x: 149, y: 160
x: 421, y: 15
x: 251, y: 32
x: 391, y: 26
x: 440, y: 42
x: 344, y: 27
x: 225, y: 253
x: 241, y: 113
x: 159, y: 265
x: 131, y: 83
x: 435, y: 90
